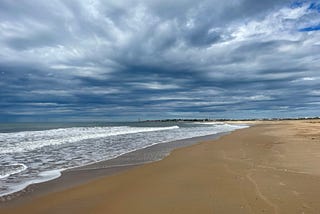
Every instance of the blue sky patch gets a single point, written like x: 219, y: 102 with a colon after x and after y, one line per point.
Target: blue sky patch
x: 314, y: 6
x: 297, y: 4
x: 311, y: 28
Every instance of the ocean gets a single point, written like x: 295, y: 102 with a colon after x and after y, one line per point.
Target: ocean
x: 38, y: 152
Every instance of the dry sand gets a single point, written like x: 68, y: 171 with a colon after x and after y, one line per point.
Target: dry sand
x: 272, y: 167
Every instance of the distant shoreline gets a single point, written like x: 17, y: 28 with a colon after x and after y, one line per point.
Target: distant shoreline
x: 232, y: 120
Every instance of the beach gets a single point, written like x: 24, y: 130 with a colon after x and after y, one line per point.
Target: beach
x: 271, y: 167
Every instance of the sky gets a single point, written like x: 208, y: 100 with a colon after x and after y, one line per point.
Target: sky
x: 119, y: 60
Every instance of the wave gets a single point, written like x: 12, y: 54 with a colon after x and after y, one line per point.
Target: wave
x: 208, y: 123
x: 43, y: 177
x: 31, y: 140
x: 48, y: 162
x: 222, y: 125
x: 7, y: 170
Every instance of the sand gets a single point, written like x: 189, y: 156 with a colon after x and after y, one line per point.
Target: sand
x: 272, y: 167
x: 80, y: 175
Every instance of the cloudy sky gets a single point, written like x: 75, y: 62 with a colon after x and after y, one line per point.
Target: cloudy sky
x: 151, y: 59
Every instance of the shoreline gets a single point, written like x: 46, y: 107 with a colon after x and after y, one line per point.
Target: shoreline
x: 267, y: 168
x: 75, y: 176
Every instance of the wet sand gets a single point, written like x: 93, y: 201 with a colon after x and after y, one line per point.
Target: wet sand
x: 80, y: 175
x: 272, y: 167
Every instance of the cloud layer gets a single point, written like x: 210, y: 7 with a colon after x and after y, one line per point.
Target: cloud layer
x: 120, y: 60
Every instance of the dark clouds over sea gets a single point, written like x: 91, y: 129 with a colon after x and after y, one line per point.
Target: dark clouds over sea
x: 124, y: 60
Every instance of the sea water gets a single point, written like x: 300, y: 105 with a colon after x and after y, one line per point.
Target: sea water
x: 33, y: 153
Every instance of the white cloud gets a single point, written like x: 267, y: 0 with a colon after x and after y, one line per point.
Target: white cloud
x: 315, y: 92
x: 260, y: 97
x: 155, y: 85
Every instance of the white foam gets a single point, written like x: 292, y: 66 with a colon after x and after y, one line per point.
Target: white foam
x: 223, y: 126
x: 44, y: 176
x: 6, y: 171
x: 48, y: 163
x: 50, y: 174
x: 208, y: 123
x: 31, y: 140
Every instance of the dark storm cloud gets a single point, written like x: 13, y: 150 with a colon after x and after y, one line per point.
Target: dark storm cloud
x: 96, y: 60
